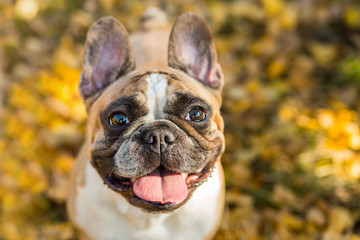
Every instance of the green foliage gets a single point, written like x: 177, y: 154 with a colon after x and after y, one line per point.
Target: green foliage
x: 349, y: 70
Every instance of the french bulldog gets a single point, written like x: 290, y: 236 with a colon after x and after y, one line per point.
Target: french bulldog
x: 150, y: 164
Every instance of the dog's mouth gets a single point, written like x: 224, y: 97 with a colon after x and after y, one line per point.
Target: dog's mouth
x: 161, y: 189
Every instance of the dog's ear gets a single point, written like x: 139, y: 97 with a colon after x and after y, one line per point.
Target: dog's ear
x: 107, y: 56
x: 191, y: 50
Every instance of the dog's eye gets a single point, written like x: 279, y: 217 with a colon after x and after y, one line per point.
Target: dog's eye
x: 118, y: 119
x: 196, y: 114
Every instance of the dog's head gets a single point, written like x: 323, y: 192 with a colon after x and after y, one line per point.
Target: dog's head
x: 154, y: 135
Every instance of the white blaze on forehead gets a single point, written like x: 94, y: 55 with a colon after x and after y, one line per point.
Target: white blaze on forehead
x: 156, y: 95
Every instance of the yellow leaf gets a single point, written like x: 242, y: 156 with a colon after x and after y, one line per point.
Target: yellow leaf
x: 32, y: 178
x: 264, y: 46
x: 289, y: 17
x: 339, y: 219
x: 288, y: 113
x: 352, y: 17
x: 22, y: 97
x: 43, y: 116
x: 66, y: 55
x: 107, y: 4
x: 273, y: 7
x: 246, y: 9
x: 253, y: 85
x: 2, y: 145
x: 353, y: 167
x: 354, y: 141
x: 276, y: 68
x: 26, y: 9
x: 82, y: 18
x: 307, y: 122
x: 354, y: 237
x: 324, y: 170
x: 326, y: 118
x: 291, y: 221
x: 11, y: 127
x: 284, y: 196
x: 315, y: 217
x: 219, y: 12
x: 9, y: 230
x: 8, y: 201
x: 346, y: 115
x: 351, y: 128
x: 64, y: 163
x: 78, y: 110
x: 323, y: 53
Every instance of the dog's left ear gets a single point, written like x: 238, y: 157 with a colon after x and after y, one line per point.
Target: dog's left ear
x: 191, y: 50
x: 107, y: 56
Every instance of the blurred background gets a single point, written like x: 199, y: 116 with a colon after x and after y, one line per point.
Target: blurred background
x: 291, y: 101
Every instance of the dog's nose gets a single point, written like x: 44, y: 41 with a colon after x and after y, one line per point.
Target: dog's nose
x: 159, y: 140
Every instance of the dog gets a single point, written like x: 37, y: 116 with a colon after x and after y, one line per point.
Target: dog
x: 150, y: 166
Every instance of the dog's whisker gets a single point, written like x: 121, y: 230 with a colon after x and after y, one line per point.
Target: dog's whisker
x: 111, y: 172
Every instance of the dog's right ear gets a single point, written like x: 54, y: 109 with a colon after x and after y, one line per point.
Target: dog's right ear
x: 107, y: 56
x: 192, y: 50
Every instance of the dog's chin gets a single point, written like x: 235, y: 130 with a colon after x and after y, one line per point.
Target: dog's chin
x: 193, y: 180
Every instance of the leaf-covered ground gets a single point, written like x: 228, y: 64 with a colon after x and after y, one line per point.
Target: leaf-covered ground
x: 290, y: 106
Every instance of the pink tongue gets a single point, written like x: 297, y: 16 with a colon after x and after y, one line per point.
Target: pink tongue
x: 161, y: 186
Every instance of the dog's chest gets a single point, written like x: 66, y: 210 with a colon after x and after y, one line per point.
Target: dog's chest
x: 105, y: 214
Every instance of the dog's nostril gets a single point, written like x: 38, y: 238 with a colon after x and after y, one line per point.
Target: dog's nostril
x: 149, y: 138
x: 169, y: 138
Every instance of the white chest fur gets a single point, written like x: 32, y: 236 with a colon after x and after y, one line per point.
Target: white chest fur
x: 105, y: 215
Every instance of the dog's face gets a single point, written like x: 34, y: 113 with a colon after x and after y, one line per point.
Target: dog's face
x: 154, y: 135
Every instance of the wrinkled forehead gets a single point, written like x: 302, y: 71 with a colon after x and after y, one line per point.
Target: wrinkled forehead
x: 155, y: 89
